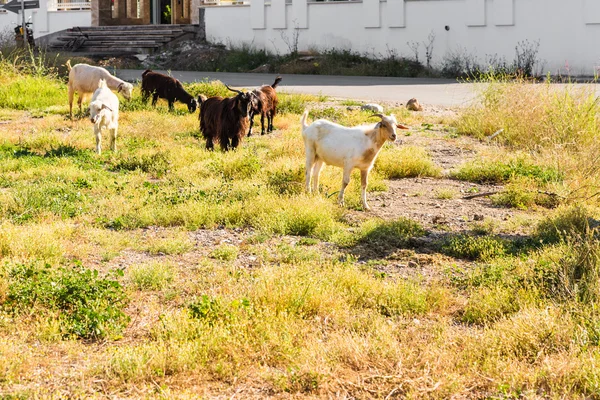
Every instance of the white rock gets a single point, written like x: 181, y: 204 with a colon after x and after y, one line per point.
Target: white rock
x: 372, y: 107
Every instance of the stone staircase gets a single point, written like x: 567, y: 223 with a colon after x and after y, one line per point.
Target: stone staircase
x: 119, y: 40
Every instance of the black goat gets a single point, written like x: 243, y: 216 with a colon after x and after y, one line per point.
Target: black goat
x: 165, y: 87
x: 264, y: 102
x: 224, y: 119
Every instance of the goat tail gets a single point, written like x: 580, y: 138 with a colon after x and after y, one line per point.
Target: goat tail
x: 68, y: 64
x: 303, y: 120
x: 277, y: 80
x: 145, y: 72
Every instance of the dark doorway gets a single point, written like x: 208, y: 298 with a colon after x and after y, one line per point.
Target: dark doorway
x: 166, y: 11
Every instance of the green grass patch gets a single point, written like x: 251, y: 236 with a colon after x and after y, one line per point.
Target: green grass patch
x: 405, y: 162
x: 498, y: 172
x: 475, y: 247
x: 152, y: 276
x: 87, y: 305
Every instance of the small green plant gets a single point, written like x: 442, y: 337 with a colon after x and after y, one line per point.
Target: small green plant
x: 575, y: 273
x: 573, y: 221
x: 225, y: 252
x: 445, y: 194
x: 498, y: 172
x: 405, y: 162
x: 289, y: 182
x: 88, y: 306
x: 156, y: 164
x: 474, y: 247
x: 394, y: 233
x: 153, y: 276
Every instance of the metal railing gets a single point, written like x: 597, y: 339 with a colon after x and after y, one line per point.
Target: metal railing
x: 66, y: 5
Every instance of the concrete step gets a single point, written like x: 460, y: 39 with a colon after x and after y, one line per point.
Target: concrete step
x: 121, y: 33
x: 123, y: 39
x: 116, y: 39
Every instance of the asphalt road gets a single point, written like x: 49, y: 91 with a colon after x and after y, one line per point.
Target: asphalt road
x: 436, y: 92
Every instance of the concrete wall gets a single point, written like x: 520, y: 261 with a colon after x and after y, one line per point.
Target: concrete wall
x: 568, y: 31
x: 47, y: 22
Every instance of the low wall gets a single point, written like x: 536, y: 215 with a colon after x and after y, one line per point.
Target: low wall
x: 568, y: 33
x: 47, y: 22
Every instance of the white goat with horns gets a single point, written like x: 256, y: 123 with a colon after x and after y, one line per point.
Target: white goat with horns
x: 347, y: 148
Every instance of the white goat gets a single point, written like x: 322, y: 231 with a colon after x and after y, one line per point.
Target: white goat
x: 104, y: 113
x: 84, y: 78
x: 347, y: 148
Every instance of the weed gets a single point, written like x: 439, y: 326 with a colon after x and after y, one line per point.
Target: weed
x: 225, y: 252
x: 573, y: 221
x: 498, y: 172
x: 153, y: 276
x: 445, y: 194
x: 474, y: 247
x: 288, y: 182
x: 395, y: 233
x: 488, y: 305
x: 405, y: 162
x: 156, y: 164
x: 88, y: 306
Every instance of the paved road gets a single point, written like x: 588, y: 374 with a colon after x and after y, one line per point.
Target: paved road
x: 437, y: 92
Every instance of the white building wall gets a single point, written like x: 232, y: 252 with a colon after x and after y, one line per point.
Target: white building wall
x: 568, y: 32
x: 47, y: 22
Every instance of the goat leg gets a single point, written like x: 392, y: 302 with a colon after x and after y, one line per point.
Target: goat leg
x: 345, y: 182
x: 270, y: 121
x: 364, y: 180
x: 251, y: 116
x: 262, y: 123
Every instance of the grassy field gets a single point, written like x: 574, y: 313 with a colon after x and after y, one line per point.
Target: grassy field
x: 166, y: 271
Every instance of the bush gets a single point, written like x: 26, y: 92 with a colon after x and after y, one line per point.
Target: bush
x: 88, y: 306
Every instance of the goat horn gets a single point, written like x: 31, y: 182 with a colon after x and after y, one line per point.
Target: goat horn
x: 377, y: 115
x: 233, y: 90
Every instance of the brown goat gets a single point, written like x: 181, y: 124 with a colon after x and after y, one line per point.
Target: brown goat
x: 264, y: 102
x: 165, y: 87
x: 224, y: 119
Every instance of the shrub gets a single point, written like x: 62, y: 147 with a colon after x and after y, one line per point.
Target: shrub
x: 88, y: 306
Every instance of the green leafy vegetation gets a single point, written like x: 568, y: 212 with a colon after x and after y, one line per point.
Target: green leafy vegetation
x: 217, y: 269
x: 84, y: 304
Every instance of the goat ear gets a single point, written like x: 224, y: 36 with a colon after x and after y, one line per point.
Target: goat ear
x: 119, y: 88
x: 104, y: 106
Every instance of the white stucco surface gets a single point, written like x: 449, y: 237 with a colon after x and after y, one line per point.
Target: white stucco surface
x: 567, y: 33
x: 46, y: 22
